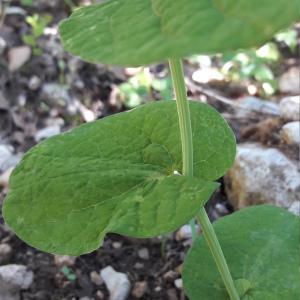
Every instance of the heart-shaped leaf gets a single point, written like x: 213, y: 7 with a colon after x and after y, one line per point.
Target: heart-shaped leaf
x: 261, y: 245
x: 135, y: 32
x: 116, y: 175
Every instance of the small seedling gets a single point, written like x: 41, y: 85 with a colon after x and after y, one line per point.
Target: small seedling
x: 68, y: 273
x: 151, y: 170
x: 38, y: 24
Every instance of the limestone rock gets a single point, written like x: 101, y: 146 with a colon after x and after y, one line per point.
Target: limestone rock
x: 262, y: 175
x: 117, y: 283
x: 13, y: 279
x: 289, y: 108
x: 290, y: 133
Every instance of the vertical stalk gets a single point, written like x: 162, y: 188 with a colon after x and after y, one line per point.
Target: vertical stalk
x: 187, y: 158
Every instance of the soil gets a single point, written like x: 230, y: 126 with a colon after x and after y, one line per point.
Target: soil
x: 27, y: 111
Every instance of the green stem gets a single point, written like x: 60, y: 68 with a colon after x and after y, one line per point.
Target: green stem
x: 187, y: 158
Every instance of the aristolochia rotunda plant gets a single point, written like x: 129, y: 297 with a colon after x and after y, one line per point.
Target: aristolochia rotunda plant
x: 148, y: 171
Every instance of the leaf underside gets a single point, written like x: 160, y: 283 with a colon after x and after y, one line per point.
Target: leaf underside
x: 116, y: 175
x: 135, y: 32
x: 261, y: 245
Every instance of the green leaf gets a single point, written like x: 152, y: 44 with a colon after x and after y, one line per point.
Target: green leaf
x: 116, y: 175
x: 261, y: 245
x: 135, y: 32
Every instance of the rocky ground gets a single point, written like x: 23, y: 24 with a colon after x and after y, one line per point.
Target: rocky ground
x: 44, y: 91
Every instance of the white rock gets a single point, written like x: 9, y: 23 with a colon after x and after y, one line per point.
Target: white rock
x: 289, y: 108
x: 295, y: 208
x: 3, y: 45
x: 7, y: 158
x: 4, y: 178
x: 47, y: 132
x: 253, y: 104
x: 290, y: 81
x: 17, y: 57
x: 178, y: 283
x: 262, y: 175
x: 290, y: 133
x: 185, y: 232
x: 64, y: 260
x: 117, y: 283
x: 55, y: 94
x: 5, y: 154
x: 14, y: 278
x: 144, y: 253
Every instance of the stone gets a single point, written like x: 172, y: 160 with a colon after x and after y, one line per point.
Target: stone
x: 55, y: 95
x: 262, y: 175
x: 295, y: 208
x: 289, y: 108
x: 64, y: 260
x: 99, y: 295
x: 289, y: 82
x: 3, y: 45
x: 5, y: 253
x: 7, y: 158
x: 144, y: 253
x: 117, y: 283
x: 34, y: 83
x: 254, y: 104
x: 170, y: 276
x: 13, y: 279
x: 290, y: 133
x: 17, y: 57
x: 5, y: 154
x: 178, y: 283
x: 4, y: 177
x: 96, y: 278
x: 139, y: 289
x: 47, y: 132
x: 185, y: 232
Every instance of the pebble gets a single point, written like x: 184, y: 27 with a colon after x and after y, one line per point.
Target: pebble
x: 178, y: 283
x: 185, y: 232
x: 290, y: 133
x: 7, y: 158
x: 5, y: 154
x: 144, y: 254
x: 13, y: 279
x: 117, y: 283
x: 5, y: 253
x: 139, y: 289
x: 96, y: 278
x: 47, y: 132
x: 117, y: 245
x: 3, y: 45
x: 289, y: 82
x: 295, y: 208
x: 55, y: 95
x: 262, y: 175
x: 254, y: 104
x: 289, y: 108
x: 99, y: 295
x: 34, y: 83
x: 18, y: 56
x: 64, y: 260
x: 170, y: 276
